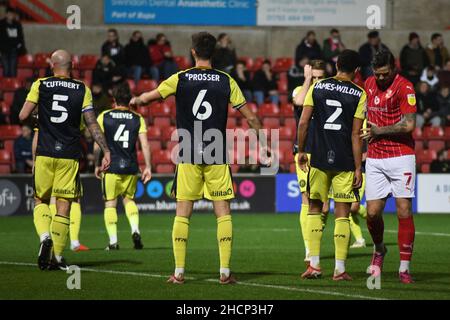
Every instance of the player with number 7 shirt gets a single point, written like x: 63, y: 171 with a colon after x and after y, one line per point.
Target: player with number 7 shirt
x: 61, y: 103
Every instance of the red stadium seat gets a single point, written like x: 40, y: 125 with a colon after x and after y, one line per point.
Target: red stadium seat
x: 268, y: 110
x: 165, y: 168
x: 283, y: 64
x: 426, y: 156
x: 167, y: 133
x: 5, y: 169
x: 182, y: 62
x: 25, y: 61
x: 290, y: 122
x: 271, y: 123
x: 154, y: 133
x: 287, y: 110
x: 419, y: 145
x: 286, y: 145
x: 289, y: 156
x: 25, y: 73
x: 292, y: 168
x: 160, y: 110
x: 5, y: 157
x: 433, y: 133
x: 162, y: 122
x: 171, y: 144
x: 8, y: 98
x: 258, y: 62
x: 161, y: 157
x: 10, y: 84
x: 233, y: 113
x: 143, y: 110
x: 5, y: 108
x: 40, y: 60
x: 282, y: 86
x: 155, y: 145
x: 253, y: 107
x: 417, y: 134
x: 447, y: 133
x: 436, y: 145
x: 146, y: 85
x: 88, y: 61
x: 132, y: 85
x: 10, y: 132
x: 287, y: 133
x: 231, y: 123
x: 425, y: 168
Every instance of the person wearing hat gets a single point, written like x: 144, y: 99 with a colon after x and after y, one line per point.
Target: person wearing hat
x: 413, y: 59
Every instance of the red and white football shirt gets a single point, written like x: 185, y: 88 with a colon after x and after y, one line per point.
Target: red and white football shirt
x: 386, y: 108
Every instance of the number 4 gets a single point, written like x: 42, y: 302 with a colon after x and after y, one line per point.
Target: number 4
x: 122, y: 135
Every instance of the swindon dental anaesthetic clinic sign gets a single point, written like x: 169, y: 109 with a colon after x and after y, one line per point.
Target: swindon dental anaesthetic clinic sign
x: 245, y: 12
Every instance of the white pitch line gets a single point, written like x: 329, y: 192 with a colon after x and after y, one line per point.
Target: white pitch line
x: 420, y: 233
x: 249, y: 284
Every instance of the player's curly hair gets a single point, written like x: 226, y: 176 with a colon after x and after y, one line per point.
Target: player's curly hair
x: 348, y: 61
x: 204, y: 45
x: 122, y: 94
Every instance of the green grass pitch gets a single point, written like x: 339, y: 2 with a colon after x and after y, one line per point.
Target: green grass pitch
x: 267, y: 261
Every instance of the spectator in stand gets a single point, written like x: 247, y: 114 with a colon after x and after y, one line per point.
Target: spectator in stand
x: 225, y: 57
x: 113, y: 48
x: 22, y: 150
x: 413, y: 59
x: 100, y: 99
x: 18, y: 100
x: 137, y: 56
x: 296, y: 75
x: 437, y: 52
x: 162, y: 57
x: 441, y: 164
x: 104, y: 72
x: 367, y: 52
x: 242, y: 77
x: 265, y: 84
x: 3, y: 119
x: 427, y: 106
x: 444, y: 75
x: 429, y: 76
x: 12, y: 43
x: 332, y: 47
x: 308, y: 47
x: 443, y: 101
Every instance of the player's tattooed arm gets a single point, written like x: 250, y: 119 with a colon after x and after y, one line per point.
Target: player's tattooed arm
x: 95, y: 130
x: 406, y: 125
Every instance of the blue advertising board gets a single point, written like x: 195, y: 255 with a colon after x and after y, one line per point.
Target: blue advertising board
x: 181, y: 12
x: 288, y: 196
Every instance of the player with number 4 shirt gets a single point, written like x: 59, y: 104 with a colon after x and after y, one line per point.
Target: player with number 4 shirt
x: 391, y: 163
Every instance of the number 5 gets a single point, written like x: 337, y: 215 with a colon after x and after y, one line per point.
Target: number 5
x: 56, y: 107
x: 330, y: 125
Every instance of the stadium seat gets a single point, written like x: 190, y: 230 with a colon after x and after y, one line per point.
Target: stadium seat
x: 162, y: 122
x: 282, y: 86
x: 155, y: 145
x: 10, y: 132
x: 292, y: 168
x: 271, y: 123
x: 165, y: 168
x: 154, y: 133
x: 146, y: 85
x: 231, y: 123
x: 5, y: 169
x: 144, y: 111
x: 252, y: 106
x: 447, y: 133
x: 283, y: 64
x: 425, y: 168
x: 10, y: 84
x: 171, y: 144
x: 40, y: 60
x: 132, y: 85
x: 426, y: 156
x: 24, y: 73
x: 5, y: 108
x: 161, y: 157
x: 290, y: 122
x: 25, y: 61
x: 286, y: 145
x: 436, y: 145
x: 167, y: 133
x: 417, y: 134
x: 287, y: 110
x: 5, y: 157
x: 160, y: 110
x: 182, y: 62
x: 234, y: 168
x: 8, y: 98
x: 287, y: 133
x: 87, y: 61
x: 433, y: 133
x: 268, y: 110
x: 233, y: 113
x: 419, y: 145
x: 258, y: 62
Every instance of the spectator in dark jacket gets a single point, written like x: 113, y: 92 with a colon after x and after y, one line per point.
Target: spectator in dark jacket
x: 243, y: 79
x: 332, y: 47
x: 437, y: 52
x: 296, y: 75
x: 107, y: 73
x: 367, y: 52
x: 443, y: 101
x: 427, y: 106
x: 413, y: 59
x: 309, y: 48
x: 265, y: 84
x: 441, y: 164
x: 114, y: 49
x: 100, y: 99
x: 225, y: 56
x: 22, y: 150
x: 19, y: 98
x: 137, y: 56
x: 12, y: 43
x: 161, y: 56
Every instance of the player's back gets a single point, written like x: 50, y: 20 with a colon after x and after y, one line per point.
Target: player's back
x: 336, y: 103
x: 60, y: 104
x: 121, y: 127
x: 202, y: 98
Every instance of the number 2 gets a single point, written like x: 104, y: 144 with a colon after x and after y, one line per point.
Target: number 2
x: 122, y: 135
x: 330, y: 125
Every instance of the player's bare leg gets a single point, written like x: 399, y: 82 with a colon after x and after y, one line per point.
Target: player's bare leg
x: 42, y: 220
x: 132, y: 213
x: 224, y: 239
x: 180, y: 234
x: 406, y: 233
x: 375, y: 224
x: 59, y: 231
x: 315, y: 231
x: 110, y: 217
x: 341, y: 240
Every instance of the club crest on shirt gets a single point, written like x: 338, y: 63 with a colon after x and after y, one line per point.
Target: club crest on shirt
x: 412, y: 99
x: 389, y: 94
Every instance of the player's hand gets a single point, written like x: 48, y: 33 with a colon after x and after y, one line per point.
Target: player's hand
x: 308, y: 71
x: 135, y: 102
x: 98, y: 173
x: 303, y: 162
x: 357, y: 180
x: 146, y: 175
x: 106, y: 162
x: 370, y: 132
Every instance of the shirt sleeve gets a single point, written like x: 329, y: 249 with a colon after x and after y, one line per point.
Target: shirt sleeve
x: 296, y: 91
x: 360, y: 112
x: 87, y: 101
x: 143, y: 126
x: 309, y: 101
x: 100, y: 121
x: 237, y: 99
x: 33, y: 95
x: 407, y: 99
x: 168, y: 87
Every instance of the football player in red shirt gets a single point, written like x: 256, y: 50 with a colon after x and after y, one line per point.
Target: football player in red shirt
x: 391, y: 163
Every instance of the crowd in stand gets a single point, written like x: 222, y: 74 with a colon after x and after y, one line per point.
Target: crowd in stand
x: 427, y: 67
